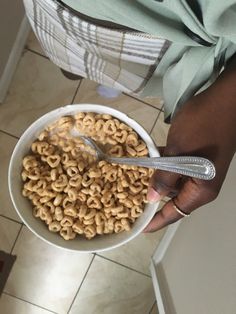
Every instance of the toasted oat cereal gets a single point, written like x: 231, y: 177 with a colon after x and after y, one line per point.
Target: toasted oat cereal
x: 73, y: 193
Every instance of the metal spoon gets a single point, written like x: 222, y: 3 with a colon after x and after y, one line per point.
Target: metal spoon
x: 196, y: 167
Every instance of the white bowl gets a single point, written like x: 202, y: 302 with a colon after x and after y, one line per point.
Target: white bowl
x: 24, y: 207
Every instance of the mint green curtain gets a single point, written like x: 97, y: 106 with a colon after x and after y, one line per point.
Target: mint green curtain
x: 187, y: 66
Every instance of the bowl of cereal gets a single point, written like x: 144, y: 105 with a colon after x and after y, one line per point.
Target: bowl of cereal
x: 65, y: 195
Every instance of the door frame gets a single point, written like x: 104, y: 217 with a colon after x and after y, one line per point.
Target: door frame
x: 163, y: 297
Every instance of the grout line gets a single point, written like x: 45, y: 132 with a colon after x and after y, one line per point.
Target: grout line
x: 76, y: 91
x: 16, y: 221
x: 144, y: 102
x: 155, y: 121
x: 152, y: 307
x: 81, y: 284
x: 130, y: 268
x: 4, y: 132
x: 36, y: 52
x: 13, y: 246
x: 13, y: 296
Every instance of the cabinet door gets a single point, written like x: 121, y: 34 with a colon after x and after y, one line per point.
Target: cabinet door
x: 194, y: 267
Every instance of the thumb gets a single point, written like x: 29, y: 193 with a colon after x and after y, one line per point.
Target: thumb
x: 163, y: 183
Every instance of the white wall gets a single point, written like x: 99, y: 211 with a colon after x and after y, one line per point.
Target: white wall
x: 198, y: 270
x: 14, y: 29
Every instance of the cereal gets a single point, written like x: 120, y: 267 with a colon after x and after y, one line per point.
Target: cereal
x: 58, y: 199
x: 116, y: 151
x: 67, y: 233
x: 54, y: 226
x: 90, y: 232
x: 67, y: 221
x: 78, y: 227
x: 58, y: 213
x: 70, y: 211
x: 74, y: 194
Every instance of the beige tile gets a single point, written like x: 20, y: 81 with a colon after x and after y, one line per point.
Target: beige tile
x: 111, y: 288
x: 45, y: 275
x: 11, y: 305
x: 166, y: 199
x: 38, y: 87
x: 162, y: 203
x: 137, y: 110
x: 154, y: 310
x: 137, y: 253
x: 33, y: 43
x: 8, y: 233
x: 7, y: 144
x: 153, y: 101
x: 160, y: 131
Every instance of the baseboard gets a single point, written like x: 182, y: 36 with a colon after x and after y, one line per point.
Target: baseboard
x: 14, y: 57
x: 165, y: 242
x: 157, y: 289
x: 163, y: 298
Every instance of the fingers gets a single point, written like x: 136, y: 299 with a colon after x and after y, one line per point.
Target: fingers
x: 164, y: 217
x: 188, y: 199
x: 161, y: 150
x: 162, y: 184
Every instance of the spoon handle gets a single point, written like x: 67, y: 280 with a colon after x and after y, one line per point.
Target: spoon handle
x: 196, y: 167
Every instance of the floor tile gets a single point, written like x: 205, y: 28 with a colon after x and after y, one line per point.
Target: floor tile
x: 153, y: 101
x: 154, y: 310
x: 11, y: 305
x: 7, y: 144
x: 137, y: 253
x: 45, y: 275
x: 111, y: 288
x: 8, y: 233
x: 137, y: 110
x: 37, y: 87
x: 33, y: 43
x: 160, y: 131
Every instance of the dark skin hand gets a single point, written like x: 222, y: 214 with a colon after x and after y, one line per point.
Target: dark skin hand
x: 205, y: 126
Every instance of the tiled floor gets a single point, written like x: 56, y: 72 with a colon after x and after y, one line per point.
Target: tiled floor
x: 45, y: 279
x: 154, y: 309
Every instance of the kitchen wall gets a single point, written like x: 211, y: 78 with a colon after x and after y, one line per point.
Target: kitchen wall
x: 14, y: 29
x: 199, y: 267
x: 11, y: 16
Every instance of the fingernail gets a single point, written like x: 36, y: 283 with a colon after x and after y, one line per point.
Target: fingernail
x: 153, y: 196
